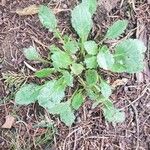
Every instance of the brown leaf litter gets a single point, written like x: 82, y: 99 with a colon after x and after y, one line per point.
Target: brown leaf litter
x: 9, y: 122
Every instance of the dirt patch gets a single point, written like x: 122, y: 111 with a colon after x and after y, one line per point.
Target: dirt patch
x: 90, y: 131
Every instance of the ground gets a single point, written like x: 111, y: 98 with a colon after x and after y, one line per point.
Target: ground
x: 34, y: 128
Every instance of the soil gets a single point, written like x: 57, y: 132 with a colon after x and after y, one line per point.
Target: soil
x: 90, y: 131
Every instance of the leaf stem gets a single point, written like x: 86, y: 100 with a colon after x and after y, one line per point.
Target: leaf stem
x: 59, y: 35
x: 82, y: 47
x: 82, y: 82
x: 44, y: 61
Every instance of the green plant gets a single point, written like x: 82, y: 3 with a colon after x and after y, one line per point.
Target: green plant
x: 79, y: 59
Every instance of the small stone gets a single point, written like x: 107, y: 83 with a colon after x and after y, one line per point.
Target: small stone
x: 65, y: 6
x: 148, y: 105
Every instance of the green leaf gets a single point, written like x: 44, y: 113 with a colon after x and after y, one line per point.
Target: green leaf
x: 82, y: 21
x: 91, y: 4
x: 68, y: 78
x: 53, y: 48
x: 77, y: 68
x: 67, y: 117
x: 91, y: 77
x: 61, y: 59
x: 71, y: 46
x: 47, y: 18
x: 91, y: 62
x: 31, y: 53
x: 105, y: 89
x: 93, y: 95
x: 27, y: 94
x: 44, y: 72
x: 91, y: 47
x: 52, y: 93
x: 100, y: 99
x: 129, y: 56
x: 113, y: 115
x: 59, y: 108
x: 77, y: 100
x: 105, y: 58
x: 116, y: 29
x: 107, y: 102
x: 64, y: 110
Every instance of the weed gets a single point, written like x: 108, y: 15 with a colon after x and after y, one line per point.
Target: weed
x: 79, y: 59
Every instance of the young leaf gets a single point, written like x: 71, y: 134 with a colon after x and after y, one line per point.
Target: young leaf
x: 47, y: 18
x: 31, y: 53
x: 105, y: 89
x: 71, y: 46
x: 91, y: 47
x: 43, y: 73
x: 81, y: 21
x: 91, y: 77
x: 129, y: 56
x: 91, y: 4
x: 77, y: 100
x: 52, y: 93
x: 77, y: 68
x: 27, y: 94
x: 68, y: 78
x: 113, y: 115
x: 116, y: 29
x: 91, y: 62
x: 61, y: 59
x: 105, y: 59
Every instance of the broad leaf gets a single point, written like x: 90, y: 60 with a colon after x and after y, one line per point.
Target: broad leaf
x: 61, y: 59
x: 116, y: 29
x: 113, y: 115
x: 129, y: 56
x: 67, y: 117
x: 91, y: 62
x: 77, y: 68
x: 71, y: 46
x: 91, y: 47
x: 47, y: 18
x: 68, y: 78
x: 52, y: 93
x: 44, y: 72
x: 81, y: 21
x: 27, y: 94
x: 31, y: 53
x: 59, y: 108
x: 91, y: 77
x: 91, y: 4
x: 105, y: 58
x: 77, y: 100
x: 105, y: 89
x: 64, y: 110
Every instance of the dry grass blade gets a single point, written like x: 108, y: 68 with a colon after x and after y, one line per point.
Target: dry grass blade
x: 119, y: 82
x: 30, y: 10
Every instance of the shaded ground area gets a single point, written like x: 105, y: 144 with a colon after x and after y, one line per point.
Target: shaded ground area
x: 34, y: 128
